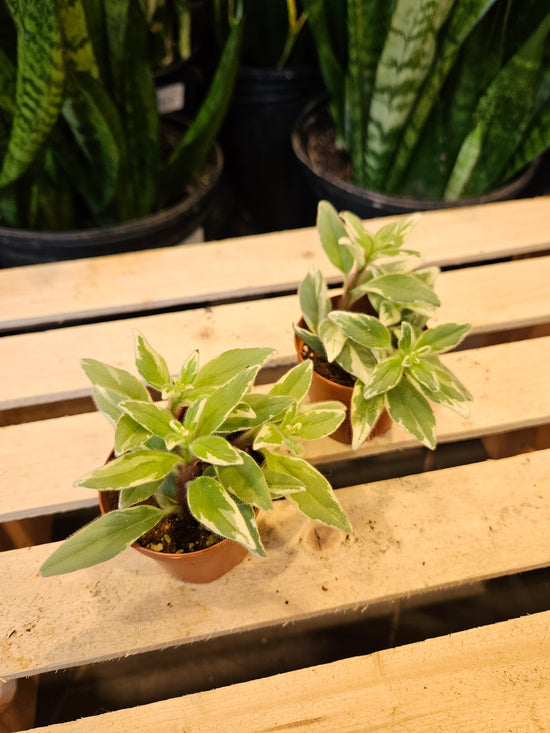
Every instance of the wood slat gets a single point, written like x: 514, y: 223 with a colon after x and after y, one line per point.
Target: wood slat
x: 39, y: 368
x: 411, y: 535
x: 493, y: 678
x: 58, y: 451
x: 137, y: 281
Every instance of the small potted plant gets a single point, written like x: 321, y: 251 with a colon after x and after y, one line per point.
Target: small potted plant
x: 372, y: 338
x: 204, y: 461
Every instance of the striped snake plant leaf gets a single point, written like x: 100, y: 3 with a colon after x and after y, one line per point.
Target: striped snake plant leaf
x: 404, y: 64
x: 77, y: 46
x: 39, y: 86
x: 465, y: 15
x: 192, y: 150
x: 332, y: 68
x: 502, y: 116
x: 535, y: 141
x: 7, y: 84
x: 367, y: 28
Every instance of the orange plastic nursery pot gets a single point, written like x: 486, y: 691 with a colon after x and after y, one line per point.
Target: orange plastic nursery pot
x: 200, y: 566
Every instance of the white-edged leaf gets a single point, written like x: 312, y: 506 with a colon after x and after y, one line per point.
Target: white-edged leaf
x: 281, y: 484
x: 363, y: 329
x: 150, y: 364
x: 268, y: 437
x: 213, y: 507
x: 333, y: 338
x: 357, y: 361
x: 247, y: 482
x: 314, y: 299
x: 129, y: 434
x: 318, y: 500
x: 223, y: 401
x: 360, y: 236
x: 108, y: 402
x: 451, y: 392
x: 114, y: 379
x: 231, y: 363
x: 384, y: 377
x: 295, y: 383
x: 443, y: 337
x: 400, y: 288
x: 131, y: 469
x: 157, y: 420
x: 215, y: 450
x: 309, y: 338
x: 190, y: 368
x: 318, y: 421
x: 331, y: 230
x: 408, y: 408
x: 128, y: 497
x: 263, y: 407
x: 363, y: 414
x: 102, y: 539
x: 422, y: 374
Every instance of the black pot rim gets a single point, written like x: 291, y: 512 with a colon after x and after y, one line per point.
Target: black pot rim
x: 129, y: 229
x: 309, y: 116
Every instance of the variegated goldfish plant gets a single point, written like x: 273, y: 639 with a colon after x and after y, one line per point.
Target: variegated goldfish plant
x: 215, y: 446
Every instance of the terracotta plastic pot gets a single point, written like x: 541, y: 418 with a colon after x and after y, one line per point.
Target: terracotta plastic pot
x: 202, y: 566
x: 322, y: 389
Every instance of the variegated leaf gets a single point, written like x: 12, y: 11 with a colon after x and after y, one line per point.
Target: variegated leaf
x: 131, y: 469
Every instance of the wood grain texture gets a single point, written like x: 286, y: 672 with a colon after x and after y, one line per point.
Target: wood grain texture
x: 59, y: 451
x: 136, y: 281
x: 489, y: 679
x: 411, y: 535
x: 43, y: 367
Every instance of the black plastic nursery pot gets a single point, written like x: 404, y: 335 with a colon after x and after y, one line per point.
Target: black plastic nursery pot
x: 162, y: 229
x: 323, y: 185
x: 260, y: 166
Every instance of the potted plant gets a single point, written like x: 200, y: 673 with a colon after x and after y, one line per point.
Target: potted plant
x: 372, y: 338
x: 86, y: 168
x: 203, y: 462
x: 430, y: 104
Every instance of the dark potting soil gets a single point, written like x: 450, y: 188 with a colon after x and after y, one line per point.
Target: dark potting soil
x: 330, y: 370
x: 175, y: 533
x: 324, y: 153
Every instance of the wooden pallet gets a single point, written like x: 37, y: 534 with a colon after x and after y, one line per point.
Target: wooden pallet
x: 417, y: 535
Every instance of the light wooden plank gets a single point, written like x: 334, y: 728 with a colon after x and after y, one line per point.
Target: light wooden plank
x: 250, y: 266
x: 493, y: 679
x: 38, y: 368
x: 60, y: 450
x: 411, y: 535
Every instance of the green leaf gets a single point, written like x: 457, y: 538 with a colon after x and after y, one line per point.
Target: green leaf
x: 131, y: 469
x: 363, y: 414
x: 318, y: 421
x: 156, y: 420
x: 39, y: 85
x: 450, y: 391
x: 114, y: 379
x: 223, y: 401
x: 102, y: 539
x: 385, y: 376
x: 333, y: 338
x: 269, y: 436
x: 357, y: 361
x: 215, y: 450
x: 77, y: 45
x: 443, y: 337
x: 229, y: 364
x: 314, y: 299
x: 295, y: 383
x: 213, y: 507
x: 364, y: 330
x: 400, y: 288
x: 264, y: 408
x: 108, y: 402
x: 331, y: 230
x: 309, y: 338
x: 190, y: 369
x: 421, y: 374
x: 408, y: 408
x: 281, y: 484
x: 318, y: 501
x: 407, y: 338
x: 129, y: 434
x: 129, y: 497
x: 247, y: 482
x: 150, y: 364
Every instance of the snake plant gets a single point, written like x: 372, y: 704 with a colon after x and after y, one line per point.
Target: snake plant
x: 436, y: 99
x: 80, y: 138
